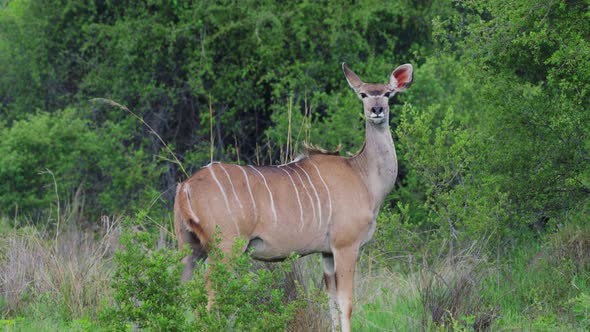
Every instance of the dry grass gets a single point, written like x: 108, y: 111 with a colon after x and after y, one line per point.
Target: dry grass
x: 452, y: 291
x: 70, y: 269
x: 571, y: 243
x: 307, y: 276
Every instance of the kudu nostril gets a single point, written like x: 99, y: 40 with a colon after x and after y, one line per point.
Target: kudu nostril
x: 377, y: 110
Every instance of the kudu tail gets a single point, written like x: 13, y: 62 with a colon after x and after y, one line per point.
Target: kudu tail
x: 186, y: 224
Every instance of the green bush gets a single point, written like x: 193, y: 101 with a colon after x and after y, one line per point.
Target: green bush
x: 580, y: 306
x: 245, y: 299
x: 61, y: 157
x: 146, y: 284
x: 148, y: 293
x: 39, y: 146
x: 444, y: 189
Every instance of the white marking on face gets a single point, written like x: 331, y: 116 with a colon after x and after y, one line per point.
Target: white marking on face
x: 297, y: 194
x: 327, y: 190
x: 316, y: 193
x: 306, y: 191
x: 190, y: 204
x: 272, y: 201
x: 225, y: 199
x: 233, y: 189
x: 250, y: 191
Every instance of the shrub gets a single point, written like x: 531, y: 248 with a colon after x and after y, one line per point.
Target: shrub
x: 146, y: 286
x: 580, y: 306
x: 148, y: 293
x: 244, y: 299
x: 59, y: 157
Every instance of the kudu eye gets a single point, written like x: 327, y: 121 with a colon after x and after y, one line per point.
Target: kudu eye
x: 363, y: 95
x: 387, y: 94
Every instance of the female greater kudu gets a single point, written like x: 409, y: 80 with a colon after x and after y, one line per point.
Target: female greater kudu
x: 320, y: 203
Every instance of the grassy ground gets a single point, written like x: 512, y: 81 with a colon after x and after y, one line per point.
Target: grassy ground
x: 60, y: 282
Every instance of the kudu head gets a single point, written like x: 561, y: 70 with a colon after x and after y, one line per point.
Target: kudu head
x: 375, y: 97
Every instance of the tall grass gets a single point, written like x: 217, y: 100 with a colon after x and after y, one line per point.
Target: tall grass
x: 307, y: 273
x: 386, y: 301
x: 547, y: 286
x: 541, y: 286
x: 67, y: 275
x: 444, y: 292
x: 453, y: 290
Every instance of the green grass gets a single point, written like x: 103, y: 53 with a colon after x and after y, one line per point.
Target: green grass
x: 386, y: 301
x: 546, y: 286
x: 45, y: 324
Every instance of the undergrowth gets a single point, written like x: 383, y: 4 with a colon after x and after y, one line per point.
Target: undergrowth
x: 147, y: 293
x: 75, y: 282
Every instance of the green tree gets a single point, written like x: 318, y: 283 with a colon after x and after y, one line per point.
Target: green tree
x: 533, y: 70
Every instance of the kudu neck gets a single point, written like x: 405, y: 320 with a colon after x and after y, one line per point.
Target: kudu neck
x: 377, y: 161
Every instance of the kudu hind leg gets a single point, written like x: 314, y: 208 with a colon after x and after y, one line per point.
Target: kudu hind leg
x: 198, y: 252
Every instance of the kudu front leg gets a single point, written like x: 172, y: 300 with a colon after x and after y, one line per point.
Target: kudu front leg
x: 330, y: 279
x: 340, y: 284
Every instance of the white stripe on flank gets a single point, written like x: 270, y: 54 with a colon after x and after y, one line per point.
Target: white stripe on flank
x: 297, y: 194
x: 225, y: 199
x: 250, y: 191
x: 272, y: 201
x: 190, y: 205
x: 316, y: 193
x: 306, y: 191
x: 233, y: 189
x: 327, y: 190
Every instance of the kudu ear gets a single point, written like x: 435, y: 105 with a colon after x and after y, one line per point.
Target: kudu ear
x: 401, y: 78
x: 353, y: 80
